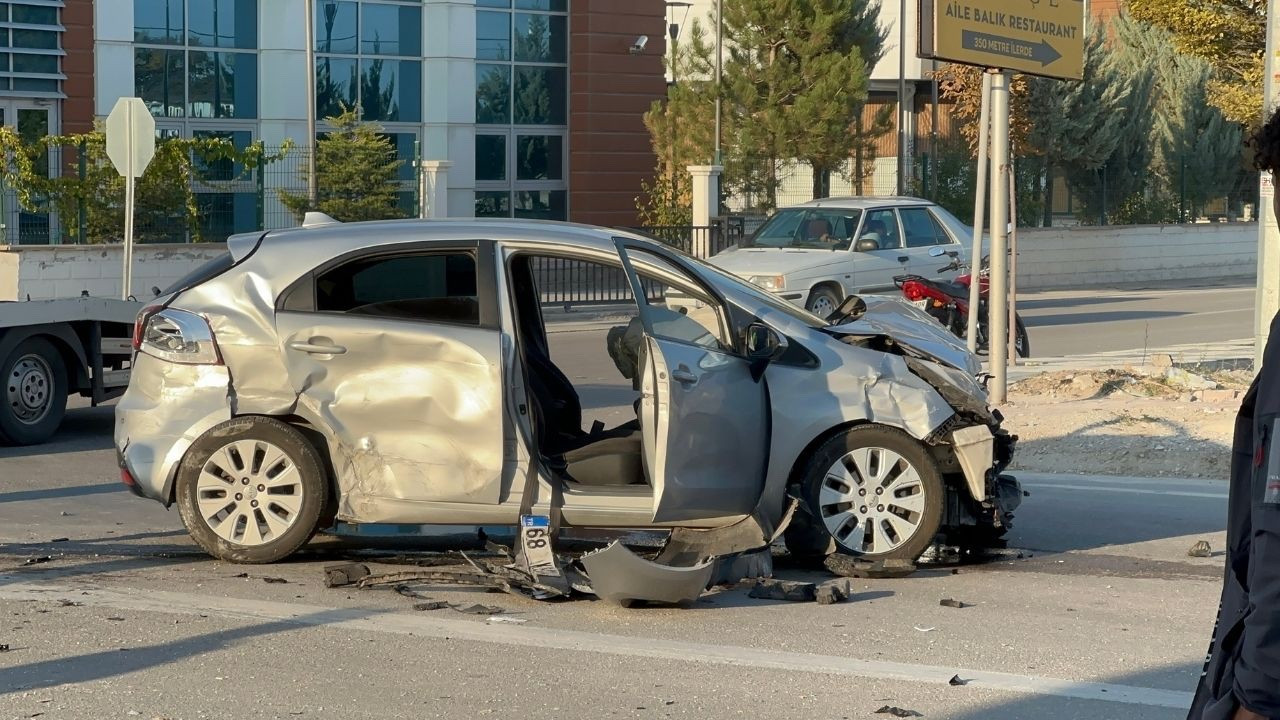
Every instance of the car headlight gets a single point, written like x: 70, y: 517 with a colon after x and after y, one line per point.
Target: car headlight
x: 772, y: 283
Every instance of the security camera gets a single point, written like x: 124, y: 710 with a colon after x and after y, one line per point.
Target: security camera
x: 637, y: 47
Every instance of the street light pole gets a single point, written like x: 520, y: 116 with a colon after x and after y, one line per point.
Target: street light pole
x: 719, y: 53
x: 311, y: 101
x: 902, y: 97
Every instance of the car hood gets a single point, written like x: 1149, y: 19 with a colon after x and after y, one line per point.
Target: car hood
x: 912, y: 329
x: 745, y: 262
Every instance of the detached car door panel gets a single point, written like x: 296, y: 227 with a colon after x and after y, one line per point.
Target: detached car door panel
x: 704, y: 419
x: 397, y: 362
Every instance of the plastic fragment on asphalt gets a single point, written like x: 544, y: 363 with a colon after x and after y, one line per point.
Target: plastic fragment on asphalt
x: 38, y: 560
x: 478, y: 609
x: 924, y: 629
x: 60, y: 539
x: 897, y: 712
x: 788, y: 590
x: 506, y: 620
x: 849, y: 566
x: 831, y: 593
x: 619, y: 575
x: 4, y: 647
x: 431, y: 605
x: 1201, y: 549
x: 274, y: 580
x: 949, y: 602
x: 957, y: 680
x: 344, y: 574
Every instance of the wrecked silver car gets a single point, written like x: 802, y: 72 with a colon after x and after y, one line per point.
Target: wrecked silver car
x: 399, y: 372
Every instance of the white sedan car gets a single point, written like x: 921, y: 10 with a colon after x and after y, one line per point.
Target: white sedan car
x: 818, y: 253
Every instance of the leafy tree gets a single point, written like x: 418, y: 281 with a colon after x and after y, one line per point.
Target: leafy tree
x: 1228, y: 34
x: 356, y: 169
x: 681, y: 130
x: 795, y: 82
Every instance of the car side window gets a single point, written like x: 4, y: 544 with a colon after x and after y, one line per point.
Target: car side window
x: 431, y: 287
x: 921, y: 228
x: 882, y: 226
x: 703, y: 324
x: 940, y: 230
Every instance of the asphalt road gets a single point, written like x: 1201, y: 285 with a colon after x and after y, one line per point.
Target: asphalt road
x: 1075, y: 323
x: 1102, y: 616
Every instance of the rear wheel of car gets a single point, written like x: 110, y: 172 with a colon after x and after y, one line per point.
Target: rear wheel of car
x: 34, y: 392
x: 822, y: 302
x: 251, y: 490
x: 870, y: 491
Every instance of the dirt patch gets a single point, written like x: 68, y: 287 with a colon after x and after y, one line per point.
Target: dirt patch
x: 1147, y: 423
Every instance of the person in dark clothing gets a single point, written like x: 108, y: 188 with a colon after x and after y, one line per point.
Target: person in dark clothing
x: 1241, y: 679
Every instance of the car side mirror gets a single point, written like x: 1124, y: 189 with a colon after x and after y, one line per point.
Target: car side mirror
x: 937, y: 251
x: 763, y: 342
x: 866, y: 244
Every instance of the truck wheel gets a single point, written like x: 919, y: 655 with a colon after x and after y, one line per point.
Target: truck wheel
x: 35, y: 392
x: 251, y: 490
x: 875, y: 492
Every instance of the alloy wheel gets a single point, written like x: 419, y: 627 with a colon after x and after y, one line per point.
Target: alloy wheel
x: 249, y: 492
x: 872, y: 501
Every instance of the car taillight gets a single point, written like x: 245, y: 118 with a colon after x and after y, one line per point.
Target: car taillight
x: 177, y: 336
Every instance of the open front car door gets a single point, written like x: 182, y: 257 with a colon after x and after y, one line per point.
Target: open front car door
x: 704, y: 408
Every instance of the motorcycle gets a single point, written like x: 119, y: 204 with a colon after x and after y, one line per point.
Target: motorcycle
x: 948, y: 302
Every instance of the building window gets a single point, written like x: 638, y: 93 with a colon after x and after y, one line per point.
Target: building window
x: 369, y: 54
x: 31, y: 64
x: 522, y: 108
x: 177, y: 74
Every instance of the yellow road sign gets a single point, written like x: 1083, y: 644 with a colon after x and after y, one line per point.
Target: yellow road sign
x: 1039, y: 37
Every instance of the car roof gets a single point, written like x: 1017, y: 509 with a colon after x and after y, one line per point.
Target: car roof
x: 862, y: 202
x: 338, y: 238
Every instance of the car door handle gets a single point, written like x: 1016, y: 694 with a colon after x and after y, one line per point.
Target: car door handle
x: 684, y: 376
x: 904, y: 259
x: 317, y: 349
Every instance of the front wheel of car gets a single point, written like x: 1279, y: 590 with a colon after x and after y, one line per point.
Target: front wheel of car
x: 251, y: 490
x: 822, y: 302
x: 870, y: 491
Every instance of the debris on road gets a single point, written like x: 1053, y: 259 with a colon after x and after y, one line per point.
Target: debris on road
x: 115, y: 618
x: 344, y: 574
x: 957, y: 680
x: 897, y: 712
x: 850, y: 566
x: 1201, y: 549
x: 4, y: 647
x: 506, y: 620
x: 830, y: 593
x: 951, y: 603
x: 924, y: 629
x: 619, y: 575
x: 274, y: 580
x: 783, y: 590
x: 431, y: 605
x: 478, y: 609
x: 70, y: 603
x: 38, y: 560
x: 60, y: 539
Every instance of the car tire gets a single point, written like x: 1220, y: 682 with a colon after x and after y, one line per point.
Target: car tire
x: 843, y: 477
x: 822, y: 302
x: 33, y: 392
x: 251, y: 490
x: 1023, y: 339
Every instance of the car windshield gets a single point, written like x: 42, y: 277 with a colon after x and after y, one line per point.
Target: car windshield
x: 809, y: 229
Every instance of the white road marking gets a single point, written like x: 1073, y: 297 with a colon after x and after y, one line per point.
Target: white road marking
x: 1130, y: 491
x: 573, y: 640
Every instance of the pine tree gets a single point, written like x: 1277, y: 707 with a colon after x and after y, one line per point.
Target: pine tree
x: 356, y: 170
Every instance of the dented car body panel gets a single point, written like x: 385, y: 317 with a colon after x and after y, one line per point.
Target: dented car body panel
x: 427, y: 422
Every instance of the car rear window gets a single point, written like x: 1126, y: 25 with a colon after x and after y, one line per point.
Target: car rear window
x: 202, y: 274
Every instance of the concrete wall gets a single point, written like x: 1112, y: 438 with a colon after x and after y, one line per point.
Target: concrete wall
x: 50, y: 271
x: 1060, y: 258
x: 1055, y: 258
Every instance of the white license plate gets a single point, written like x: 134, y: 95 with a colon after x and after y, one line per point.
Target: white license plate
x: 923, y: 304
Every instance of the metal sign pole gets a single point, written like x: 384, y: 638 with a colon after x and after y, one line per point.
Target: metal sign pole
x: 311, y: 102
x: 979, y: 209
x: 1013, y: 267
x: 998, y: 304
x: 129, y: 169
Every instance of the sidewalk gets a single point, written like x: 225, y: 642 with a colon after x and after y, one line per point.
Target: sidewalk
x: 1237, y: 354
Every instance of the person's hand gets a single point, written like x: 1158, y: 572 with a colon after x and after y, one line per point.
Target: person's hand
x: 1244, y: 713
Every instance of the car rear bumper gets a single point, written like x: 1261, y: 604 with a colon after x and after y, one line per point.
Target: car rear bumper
x: 166, y: 408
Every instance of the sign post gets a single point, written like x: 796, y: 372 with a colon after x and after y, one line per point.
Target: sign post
x: 1037, y: 38
x: 131, y: 144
